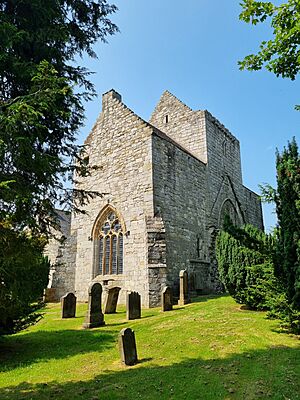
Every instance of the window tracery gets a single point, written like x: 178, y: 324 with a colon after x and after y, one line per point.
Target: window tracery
x: 110, y: 242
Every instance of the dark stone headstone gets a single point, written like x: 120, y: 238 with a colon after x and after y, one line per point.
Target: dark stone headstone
x: 167, y: 299
x: 183, y: 288
x: 133, y: 305
x: 68, y: 305
x: 127, y: 347
x: 94, y: 315
x: 112, y: 300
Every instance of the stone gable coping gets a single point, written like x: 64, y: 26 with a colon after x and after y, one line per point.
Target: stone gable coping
x: 216, y: 122
x: 169, y: 94
x: 249, y: 190
x: 209, y: 116
x: 117, y: 100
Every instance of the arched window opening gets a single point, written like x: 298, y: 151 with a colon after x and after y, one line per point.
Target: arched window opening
x: 110, y: 239
x: 228, y: 209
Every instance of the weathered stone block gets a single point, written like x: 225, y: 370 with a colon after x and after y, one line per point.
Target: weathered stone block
x: 167, y: 299
x: 112, y: 300
x: 183, y: 288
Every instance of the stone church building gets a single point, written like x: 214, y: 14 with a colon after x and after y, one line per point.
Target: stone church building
x: 167, y: 185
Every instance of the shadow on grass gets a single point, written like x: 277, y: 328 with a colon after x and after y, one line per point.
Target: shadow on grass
x: 44, y: 345
x: 264, y: 374
x: 207, y: 297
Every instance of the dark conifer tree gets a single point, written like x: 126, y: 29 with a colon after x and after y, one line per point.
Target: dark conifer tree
x: 287, y: 259
x: 42, y: 90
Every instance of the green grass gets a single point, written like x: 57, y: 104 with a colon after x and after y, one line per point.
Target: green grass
x: 210, y: 349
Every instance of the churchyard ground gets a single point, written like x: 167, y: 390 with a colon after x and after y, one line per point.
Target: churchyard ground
x: 210, y: 349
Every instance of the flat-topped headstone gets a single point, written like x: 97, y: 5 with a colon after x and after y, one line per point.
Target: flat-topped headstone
x: 112, y: 300
x: 68, y: 305
x: 50, y: 295
x: 127, y: 346
x: 133, y: 305
x: 167, y: 299
x: 183, y: 288
x: 94, y: 315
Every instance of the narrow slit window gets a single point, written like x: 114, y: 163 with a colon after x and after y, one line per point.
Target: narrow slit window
x: 114, y: 255
x: 107, y: 254
x: 101, y: 255
x: 120, y: 255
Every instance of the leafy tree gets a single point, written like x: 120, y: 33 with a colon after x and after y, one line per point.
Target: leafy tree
x: 42, y: 90
x: 281, y: 54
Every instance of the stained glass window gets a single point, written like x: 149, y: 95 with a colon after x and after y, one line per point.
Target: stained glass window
x: 101, y: 255
x: 120, y: 254
x: 110, y: 239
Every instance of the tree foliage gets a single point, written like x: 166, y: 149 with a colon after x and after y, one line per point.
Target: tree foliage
x: 23, y: 276
x: 41, y: 95
x: 263, y: 271
x: 281, y: 54
x: 245, y: 265
x: 287, y: 199
x: 42, y: 89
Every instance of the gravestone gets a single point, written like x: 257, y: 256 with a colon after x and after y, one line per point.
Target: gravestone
x: 183, y: 288
x: 127, y: 346
x: 50, y: 295
x: 68, y: 305
x: 112, y: 300
x: 94, y: 315
x: 133, y: 305
x: 167, y: 299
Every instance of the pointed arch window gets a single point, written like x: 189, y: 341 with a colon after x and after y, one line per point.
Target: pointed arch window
x: 110, y: 242
x: 229, y: 209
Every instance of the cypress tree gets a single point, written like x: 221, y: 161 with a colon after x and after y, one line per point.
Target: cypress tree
x: 287, y: 258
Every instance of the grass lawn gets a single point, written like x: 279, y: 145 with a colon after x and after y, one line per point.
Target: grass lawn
x: 210, y: 349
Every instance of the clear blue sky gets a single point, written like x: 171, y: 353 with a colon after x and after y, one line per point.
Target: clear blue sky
x: 192, y: 48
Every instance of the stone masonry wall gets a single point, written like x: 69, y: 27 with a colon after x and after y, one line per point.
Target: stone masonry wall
x: 182, y: 124
x: 179, y: 181
x: 170, y: 183
x: 157, y: 263
x: 120, y: 146
x: 225, y: 176
x: 62, y: 256
x: 253, y: 209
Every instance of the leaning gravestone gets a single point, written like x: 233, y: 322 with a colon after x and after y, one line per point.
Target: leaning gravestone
x: 68, y: 305
x: 183, y: 288
x: 133, y: 305
x: 167, y: 299
x: 112, y: 300
x: 94, y: 315
x: 127, y: 347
